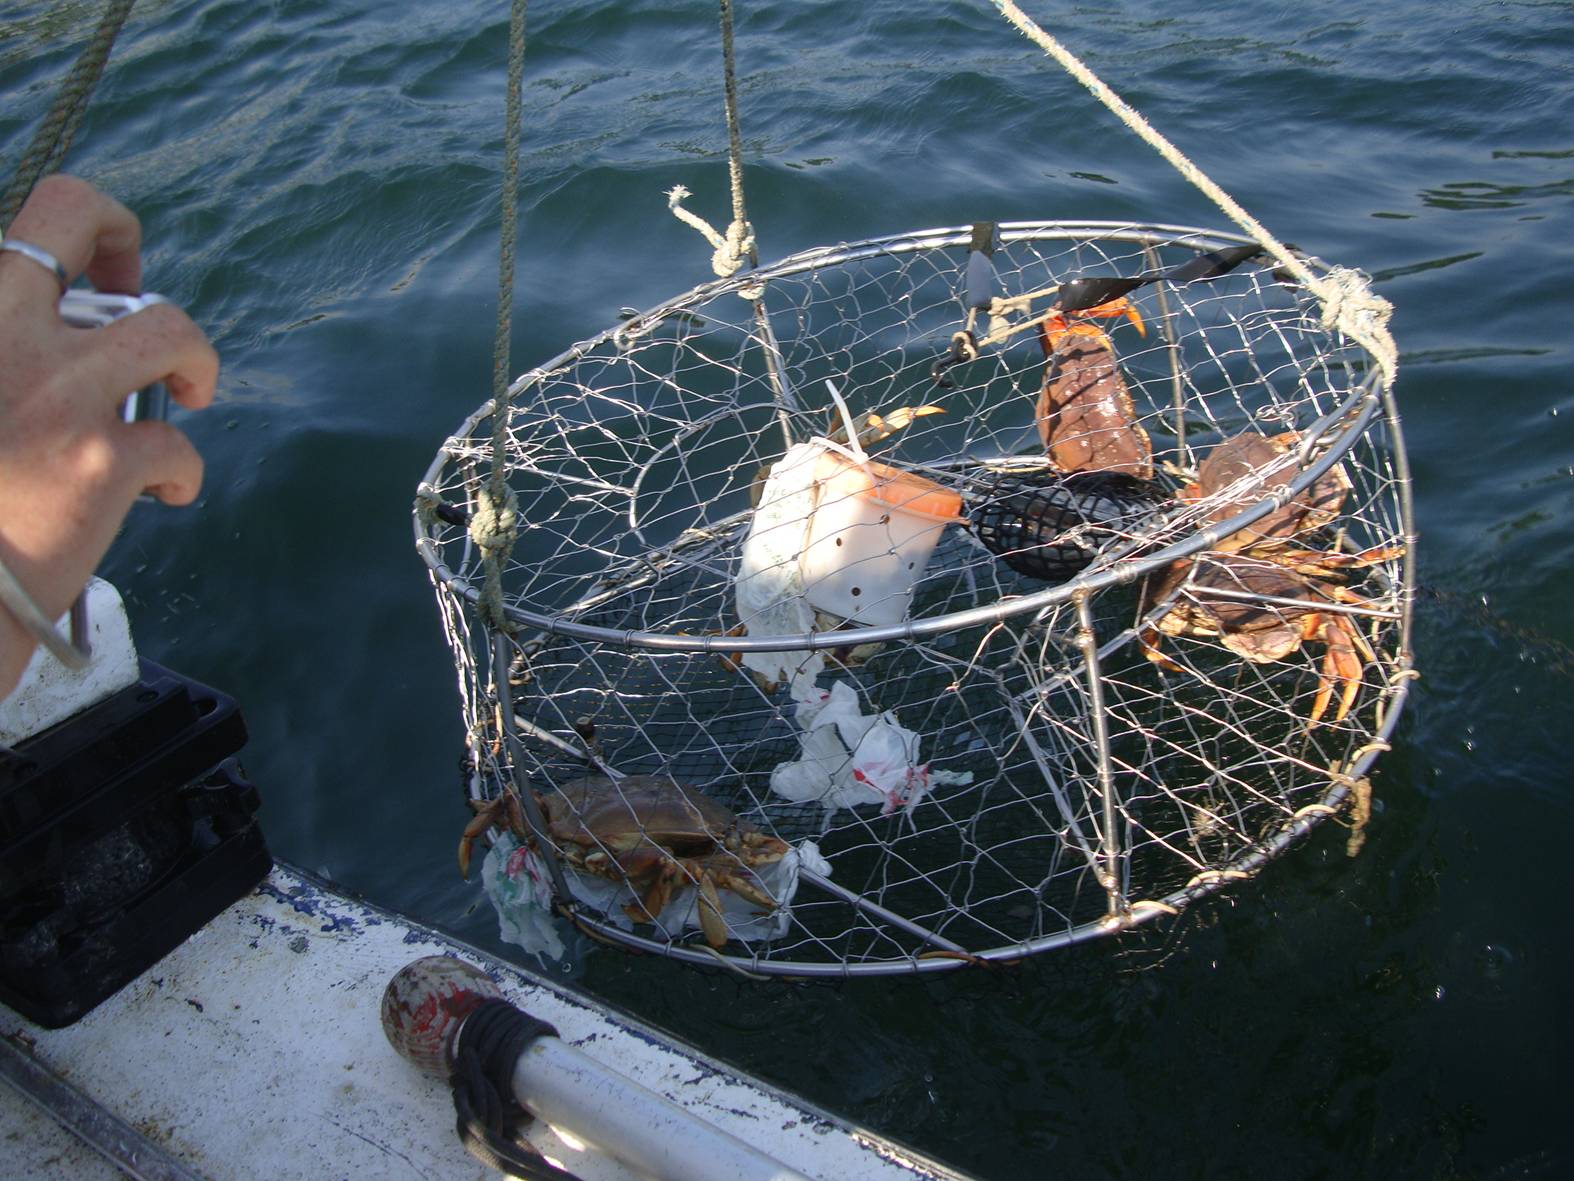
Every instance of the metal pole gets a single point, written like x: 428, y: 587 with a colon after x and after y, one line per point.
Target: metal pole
x: 617, y: 1116
x: 1172, y: 346
x: 424, y: 1010
x: 1109, y: 877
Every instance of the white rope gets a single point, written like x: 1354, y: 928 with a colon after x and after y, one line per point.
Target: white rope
x: 731, y: 251
x: 1347, y: 298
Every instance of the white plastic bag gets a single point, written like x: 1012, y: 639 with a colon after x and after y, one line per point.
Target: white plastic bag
x: 851, y: 759
x: 516, y: 880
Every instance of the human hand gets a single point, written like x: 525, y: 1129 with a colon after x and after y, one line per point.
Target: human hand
x: 70, y: 468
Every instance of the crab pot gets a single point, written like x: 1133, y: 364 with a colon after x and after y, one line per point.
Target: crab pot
x: 869, y: 539
x: 1025, y: 729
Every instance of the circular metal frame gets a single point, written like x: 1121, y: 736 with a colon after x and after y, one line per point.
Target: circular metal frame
x: 1322, y: 446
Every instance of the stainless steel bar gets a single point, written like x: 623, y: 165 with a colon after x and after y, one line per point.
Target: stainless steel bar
x: 106, y: 1133
x: 1109, y: 876
x: 516, y: 758
x: 859, y: 902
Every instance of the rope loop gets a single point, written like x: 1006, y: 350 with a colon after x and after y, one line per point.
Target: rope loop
x: 731, y: 251
x: 1351, y: 306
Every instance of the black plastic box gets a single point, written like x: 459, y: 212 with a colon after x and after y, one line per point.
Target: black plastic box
x: 123, y: 830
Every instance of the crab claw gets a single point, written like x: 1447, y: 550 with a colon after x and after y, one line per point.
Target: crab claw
x: 1119, y: 307
x: 1149, y: 640
x: 487, y: 814
x: 1056, y: 325
x: 709, y: 907
x: 1344, y: 662
x: 872, y: 427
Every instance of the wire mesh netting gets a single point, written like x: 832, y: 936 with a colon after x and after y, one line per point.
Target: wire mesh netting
x: 980, y: 662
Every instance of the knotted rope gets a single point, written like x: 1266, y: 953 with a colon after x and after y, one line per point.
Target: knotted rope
x: 1348, y: 301
x: 495, y: 522
x: 490, y: 1043
x: 736, y: 248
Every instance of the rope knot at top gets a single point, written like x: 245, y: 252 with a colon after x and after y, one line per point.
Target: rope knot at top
x: 495, y: 522
x: 1350, y: 304
x: 732, y: 251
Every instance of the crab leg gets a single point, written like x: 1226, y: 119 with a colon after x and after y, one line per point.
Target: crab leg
x: 873, y: 428
x: 504, y: 809
x: 709, y: 907
x: 486, y: 815
x: 1343, y: 663
x: 1320, y: 563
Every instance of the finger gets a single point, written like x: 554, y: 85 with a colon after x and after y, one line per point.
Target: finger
x: 88, y: 231
x: 162, y: 461
x: 159, y: 343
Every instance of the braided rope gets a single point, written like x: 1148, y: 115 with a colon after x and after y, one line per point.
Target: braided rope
x: 1347, y: 298
x: 740, y: 235
x: 44, y: 155
x: 494, y: 524
x: 736, y: 248
x: 53, y: 138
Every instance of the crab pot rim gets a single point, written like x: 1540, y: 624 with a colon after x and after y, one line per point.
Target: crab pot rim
x: 1356, y: 414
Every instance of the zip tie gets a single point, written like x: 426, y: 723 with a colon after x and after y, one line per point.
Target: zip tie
x: 1149, y: 905
x: 1317, y: 809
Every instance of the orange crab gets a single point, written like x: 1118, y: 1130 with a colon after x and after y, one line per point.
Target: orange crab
x: 1260, y: 591
x: 1084, y: 412
x: 1282, y: 607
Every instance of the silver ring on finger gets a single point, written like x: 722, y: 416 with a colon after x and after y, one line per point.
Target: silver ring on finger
x: 41, y: 256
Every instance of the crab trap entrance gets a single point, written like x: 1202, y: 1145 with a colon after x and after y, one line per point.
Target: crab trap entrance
x: 839, y: 643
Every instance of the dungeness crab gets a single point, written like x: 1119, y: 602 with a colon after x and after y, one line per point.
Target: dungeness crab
x: 651, y: 833
x: 1236, y: 474
x: 1084, y: 412
x: 1282, y: 607
x: 1259, y: 591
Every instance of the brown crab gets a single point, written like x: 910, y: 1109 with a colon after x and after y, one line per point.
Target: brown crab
x: 1084, y: 412
x: 1294, y: 591
x: 1244, y: 469
x: 656, y: 835
x: 1290, y: 605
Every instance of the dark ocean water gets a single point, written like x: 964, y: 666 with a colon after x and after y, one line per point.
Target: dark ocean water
x: 318, y: 185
